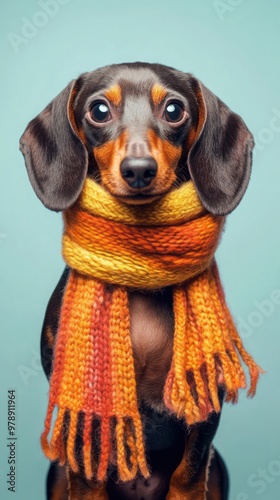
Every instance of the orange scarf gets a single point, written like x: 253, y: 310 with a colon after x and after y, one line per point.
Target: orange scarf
x: 110, y: 247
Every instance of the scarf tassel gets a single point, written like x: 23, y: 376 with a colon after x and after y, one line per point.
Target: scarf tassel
x: 97, y: 387
x: 125, y: 433
x: 207, y: 351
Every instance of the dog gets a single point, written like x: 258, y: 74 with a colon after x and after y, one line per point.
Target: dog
x: 141, y: 130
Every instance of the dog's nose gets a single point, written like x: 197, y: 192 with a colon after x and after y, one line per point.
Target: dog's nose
x: 138, y: 172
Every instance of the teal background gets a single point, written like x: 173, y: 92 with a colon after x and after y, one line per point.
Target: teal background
x: 233, y: 47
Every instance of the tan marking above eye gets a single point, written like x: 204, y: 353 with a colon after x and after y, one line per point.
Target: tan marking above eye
x: 114, y: 95
x: 158, y: 93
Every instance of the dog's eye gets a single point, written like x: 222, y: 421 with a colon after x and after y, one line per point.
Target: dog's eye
x: 173, y: 112
x: 100, y: 112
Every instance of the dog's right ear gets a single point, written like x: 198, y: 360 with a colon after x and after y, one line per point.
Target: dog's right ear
x: 55, y: 157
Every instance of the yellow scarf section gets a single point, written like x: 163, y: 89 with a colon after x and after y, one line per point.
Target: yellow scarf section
x: 111, y: 247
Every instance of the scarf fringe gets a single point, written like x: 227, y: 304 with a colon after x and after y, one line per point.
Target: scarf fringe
x: 207, y: 351
x: 98, y: 383
x: 125, y: 433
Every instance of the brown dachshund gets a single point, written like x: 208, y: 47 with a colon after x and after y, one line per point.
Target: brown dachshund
x: 141, y: 130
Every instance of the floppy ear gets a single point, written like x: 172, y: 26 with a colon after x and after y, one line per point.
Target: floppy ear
x: 55, y: 157
x: 220, y: 157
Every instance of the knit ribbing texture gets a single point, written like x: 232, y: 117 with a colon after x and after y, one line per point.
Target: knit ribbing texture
x: 111, y: 247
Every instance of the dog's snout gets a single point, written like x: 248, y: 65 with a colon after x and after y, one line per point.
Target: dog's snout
x: 138, y: 172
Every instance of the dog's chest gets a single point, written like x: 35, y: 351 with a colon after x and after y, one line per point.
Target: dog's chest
x: 152, y: 326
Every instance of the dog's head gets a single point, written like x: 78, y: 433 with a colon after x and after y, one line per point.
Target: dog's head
x: 140, y: 130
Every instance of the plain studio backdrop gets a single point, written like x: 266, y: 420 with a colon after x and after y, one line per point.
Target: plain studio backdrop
x: 233, y: 47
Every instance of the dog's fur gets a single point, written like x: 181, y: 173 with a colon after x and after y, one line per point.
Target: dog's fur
x: 160, y: 127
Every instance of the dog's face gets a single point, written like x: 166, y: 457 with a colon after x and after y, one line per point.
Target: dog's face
x: 134, y: 128
x: 140, y: 130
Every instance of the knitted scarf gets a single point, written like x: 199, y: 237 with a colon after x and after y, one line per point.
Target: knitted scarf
x: 110, y: 247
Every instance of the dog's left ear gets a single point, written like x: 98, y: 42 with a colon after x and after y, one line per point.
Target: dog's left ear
x: 55, y: 155
x: 220, y: 157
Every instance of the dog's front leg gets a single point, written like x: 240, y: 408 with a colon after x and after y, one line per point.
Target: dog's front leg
x: 195, y: 478
x: 188, y: 481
